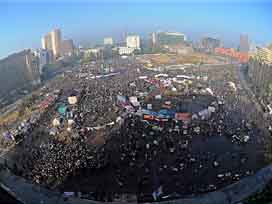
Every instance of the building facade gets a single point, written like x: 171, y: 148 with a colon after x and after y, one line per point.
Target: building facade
x: 32, y: 65
x: 108, y: 41
x: 18, y: 70
x: 133, y: 41
x: 52, y: 41
x: 47, y: 42
x: 125, y: 50
x: 92, y: 52
x: 232, y: 53
x: 170, y: 38
x: 45, y: 57
x: 260, y: 72
x: 264, y: 55
x: 153, y: 37
x: 179, y: 49
x: 67, y: 48
x: 208, y: 44
x: 244, y: 44
x: 56, y: 42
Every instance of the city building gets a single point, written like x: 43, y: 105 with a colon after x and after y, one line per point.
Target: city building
x: 179, y: 49
x: 108, y: 41
x: 170, y: 38
x: 232, y: 53
x: 47, y: 42
x: 125, y: 50
x: 264, y: 55
x: 56, y: 42
x: 92, y: 52
x: 153, y: 37
x: 260, y: 72
x: 45, y: 57
x: 252, y: 49
x: 67, y: 47
x: 244, y: 44
x: 133, y: 41
x: 32, y: 65
x: 18, y: 70
x: 208, y: 44
x: 52, y: 41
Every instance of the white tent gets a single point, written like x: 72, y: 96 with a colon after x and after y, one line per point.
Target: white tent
x: 134, y: 101
x: 72, y: 100
x: 56, y: 122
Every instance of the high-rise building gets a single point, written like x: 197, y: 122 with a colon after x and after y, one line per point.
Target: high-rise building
x: 244, y: 44
x: 170, y: 38
x: 108, y: 41
x: 56, y: 42
x: 133, y: 41
x: 208, y: 44
x: 45, y: 57
x: 153, y: 38
x: 32, y: 65
x: 52, y: 41
x: 47, y: 42
x: 67, y: 48
x: 263, y: 55
x: 260, y: 71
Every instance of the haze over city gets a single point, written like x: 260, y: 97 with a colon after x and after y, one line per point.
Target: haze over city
x: 86, y: 22
x: 125, y: 101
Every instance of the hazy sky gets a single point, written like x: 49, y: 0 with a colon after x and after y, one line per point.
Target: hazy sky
x: 24, y: 22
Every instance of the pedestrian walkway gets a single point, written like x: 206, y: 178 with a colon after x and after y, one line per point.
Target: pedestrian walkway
x: 30, y: 194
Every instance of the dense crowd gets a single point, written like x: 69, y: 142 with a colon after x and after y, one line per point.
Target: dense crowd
x: 146, y: 158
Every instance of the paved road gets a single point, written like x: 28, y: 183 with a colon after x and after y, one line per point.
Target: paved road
x: 259, y: 117
x: 249, y: 91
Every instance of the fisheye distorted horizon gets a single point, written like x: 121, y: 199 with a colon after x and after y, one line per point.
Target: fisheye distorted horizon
x: 87, y: 22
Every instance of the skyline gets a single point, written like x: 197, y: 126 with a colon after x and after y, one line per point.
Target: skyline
x: 88, y: 22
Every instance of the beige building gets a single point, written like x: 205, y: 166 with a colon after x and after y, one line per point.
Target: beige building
x: 52, y: 41
x: 125, y: 50
x: 67, y: 48
x: 56, y: 42
x: 47, y: 42
x: 179, y: 49
x: 153, y: 38
x: 91, y: 52
x: 264, y: 55
x: 133, y: 41
x: 32, y: 66
x: 260, y: 70
x: 108, y: 41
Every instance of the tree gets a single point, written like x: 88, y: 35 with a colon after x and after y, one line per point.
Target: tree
x: 137, y: 52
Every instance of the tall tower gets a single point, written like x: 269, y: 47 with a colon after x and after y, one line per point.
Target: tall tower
x: 56, y: 42
x: 133, y: 41
x: 43, y: 42
x: 153, y: 39
x: 47, y: 42
x: 244, y: 44
x: 52, y: 42
x: 67, y: 48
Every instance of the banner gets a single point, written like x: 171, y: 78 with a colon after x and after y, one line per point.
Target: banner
x: 183, y: 116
